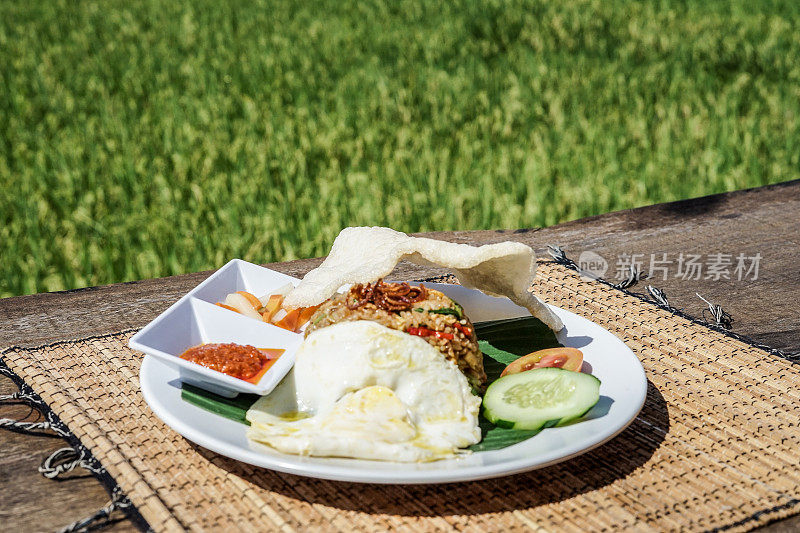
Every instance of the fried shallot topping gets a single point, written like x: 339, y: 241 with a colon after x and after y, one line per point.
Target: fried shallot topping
x: 388, y: 296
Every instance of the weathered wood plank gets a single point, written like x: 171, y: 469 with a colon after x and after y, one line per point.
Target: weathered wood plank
x: 29, y: 502
x: 764, y: 220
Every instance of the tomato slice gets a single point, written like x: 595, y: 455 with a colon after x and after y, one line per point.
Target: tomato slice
x: 566, y: 358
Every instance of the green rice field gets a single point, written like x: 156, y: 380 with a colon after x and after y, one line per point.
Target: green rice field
x: 143, y: 139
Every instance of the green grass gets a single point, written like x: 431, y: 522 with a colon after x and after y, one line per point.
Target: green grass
x: 142, y: 139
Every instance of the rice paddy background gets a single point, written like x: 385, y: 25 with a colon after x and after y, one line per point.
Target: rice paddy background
x: 142, y: 139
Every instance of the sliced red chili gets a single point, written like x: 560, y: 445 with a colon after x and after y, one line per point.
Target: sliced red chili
x: 420, y: 332
x: 426, y: 332
x: 463, y: 329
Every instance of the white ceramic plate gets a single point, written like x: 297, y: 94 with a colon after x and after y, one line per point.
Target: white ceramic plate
x: 622, y: 395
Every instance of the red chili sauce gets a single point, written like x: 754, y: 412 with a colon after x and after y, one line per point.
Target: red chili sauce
x: 244, y: 362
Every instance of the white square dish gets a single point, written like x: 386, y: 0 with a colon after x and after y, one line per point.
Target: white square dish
x: 194, y: 320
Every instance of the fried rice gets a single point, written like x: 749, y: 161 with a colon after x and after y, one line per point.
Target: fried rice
x: 434, y: 317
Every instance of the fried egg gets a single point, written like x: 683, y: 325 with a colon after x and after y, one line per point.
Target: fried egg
x: 362, y: 390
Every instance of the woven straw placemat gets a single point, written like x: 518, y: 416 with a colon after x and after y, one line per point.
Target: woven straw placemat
x: 716, y: 446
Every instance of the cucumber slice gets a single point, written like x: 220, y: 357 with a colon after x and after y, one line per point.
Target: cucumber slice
x: 539, y: 398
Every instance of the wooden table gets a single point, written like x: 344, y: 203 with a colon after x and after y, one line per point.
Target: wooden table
x: 763, y: 221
